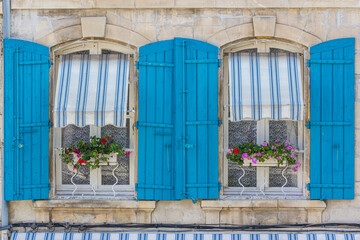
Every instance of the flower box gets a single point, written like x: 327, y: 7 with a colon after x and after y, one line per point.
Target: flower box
x: 272, y: 162
x: 112, y: 159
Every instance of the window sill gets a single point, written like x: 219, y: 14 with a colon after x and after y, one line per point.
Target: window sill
x: 308, y: 204
x: 95, y: 204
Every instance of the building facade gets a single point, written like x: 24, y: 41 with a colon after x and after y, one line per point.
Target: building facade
x: 225, y: 29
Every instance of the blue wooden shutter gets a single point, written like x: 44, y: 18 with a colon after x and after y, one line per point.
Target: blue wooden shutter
x: 156, y: 123
x: 178, y: 120
x: 196, y: 77
x: 26, y: 120
x: 332, y: 119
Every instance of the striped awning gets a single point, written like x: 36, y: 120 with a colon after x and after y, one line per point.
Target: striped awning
x: 183, y: 236
x: 91, y: 90
x: 265, y: 86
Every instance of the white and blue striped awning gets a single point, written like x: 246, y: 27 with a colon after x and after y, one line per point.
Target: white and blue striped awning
x: 265, y: 85
x: 91, y: 90
x: 184, y: 236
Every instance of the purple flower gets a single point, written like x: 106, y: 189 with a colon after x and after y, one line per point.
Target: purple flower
x: 228, y: 153
x: 292, y: 155
x: 269, y: 156
x: 264, y: 144
x: 254, y: 160
x: 78, y: 155
x: 283, y: 150
x: 272, y: 147
x: 127, y: 153
x: 245, y: 155
x: 259, y: 154
x: 298, y: 164
x: 279, y: 158
x: 294, y: 169
x: 277, y: 140
x: 289, y: 148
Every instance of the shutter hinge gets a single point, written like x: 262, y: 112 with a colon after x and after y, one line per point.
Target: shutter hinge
x: 308, y: 125
x: 137, y: 64
x: 219, y: 123
x: 219, y: 186
x: 219, y: 62
x: 136, y: 187
x: 50, y: 63
x: 308, y: 63
x: 308, y: 187
x: 137, y: 125
x: 50, y: 124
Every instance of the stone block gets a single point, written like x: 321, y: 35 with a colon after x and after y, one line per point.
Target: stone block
x: 314, y: 215
x: 231, y: 216
x: 240, y: 31
x: 169, y: 32
x: 93, y: 26
x: 264, y: 26
x: 212, y: 215
x: 289, y: 216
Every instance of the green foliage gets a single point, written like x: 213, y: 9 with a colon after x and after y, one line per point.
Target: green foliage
x: 282, y: 152
x: 91, y: 154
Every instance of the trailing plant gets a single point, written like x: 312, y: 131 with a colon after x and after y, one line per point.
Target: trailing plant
x: 91, y: 154
x: 281, y: 151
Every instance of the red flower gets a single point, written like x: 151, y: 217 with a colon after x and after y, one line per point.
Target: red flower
x: 236, y: 150
x: 103, y: 140
x: 82, y: 161
x: 108, y: 145
x: 108, y: 137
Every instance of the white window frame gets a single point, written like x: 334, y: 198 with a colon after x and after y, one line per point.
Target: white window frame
x: 125, y: 192
x: 262, y: 46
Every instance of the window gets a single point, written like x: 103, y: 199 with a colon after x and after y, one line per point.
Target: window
x: 255, y: 181
x: 109, y: 181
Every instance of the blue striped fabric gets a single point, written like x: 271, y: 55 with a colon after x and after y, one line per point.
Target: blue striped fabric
x: 91, y: 90
x: 184, y: 236
x: 265, y: 86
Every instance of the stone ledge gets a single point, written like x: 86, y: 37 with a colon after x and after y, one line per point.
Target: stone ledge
x: 93, y: 204
x: 263, y: 204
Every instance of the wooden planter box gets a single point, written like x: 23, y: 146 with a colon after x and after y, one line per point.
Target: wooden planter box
x: 268, y: 163
x: 112, y: 159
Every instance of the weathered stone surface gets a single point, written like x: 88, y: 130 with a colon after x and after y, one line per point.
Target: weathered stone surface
x: 264, y: 26
x: 93, y: 26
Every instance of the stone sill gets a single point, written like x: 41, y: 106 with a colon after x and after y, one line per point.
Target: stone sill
x: 315, y: 204
x: 95, y: 204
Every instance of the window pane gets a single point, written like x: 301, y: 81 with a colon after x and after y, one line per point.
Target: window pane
x: 241, y: 132
x: 248, y: 180
x: 71, y: 134
x: 121, y: 172
x: 120, y: 135
x: 277, y: 180
x: 284, y: 130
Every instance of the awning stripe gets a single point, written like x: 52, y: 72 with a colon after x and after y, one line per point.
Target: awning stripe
x: 265, y: 86
x: 92, y: 90
x: 183, y: 236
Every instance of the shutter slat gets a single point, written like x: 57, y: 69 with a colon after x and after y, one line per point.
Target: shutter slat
x: 332, y: 120
x: 26, y: 108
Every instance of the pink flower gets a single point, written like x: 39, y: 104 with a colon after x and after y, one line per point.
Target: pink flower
x: 294, y: 169
x: 127, y: 153
x: 259, y: 154
x: 264, y: 144
x: 78, y: 155
x: 279, y: 158
x: 272, y: 147
x: 298, y: 164
x: 254, y: 160
x: 283, y: 150
x: 74, y: 167
x: 289, y: 148
x: 228, y: 153
x: 269, y: 156
x: 277, y: 140
x: 76, y: 150
x: 245, y: 155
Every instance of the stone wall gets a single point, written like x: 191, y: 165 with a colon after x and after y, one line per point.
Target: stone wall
x: 41, y: 21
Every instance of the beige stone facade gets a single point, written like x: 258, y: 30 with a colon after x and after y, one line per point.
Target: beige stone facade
x: 135, y: 23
